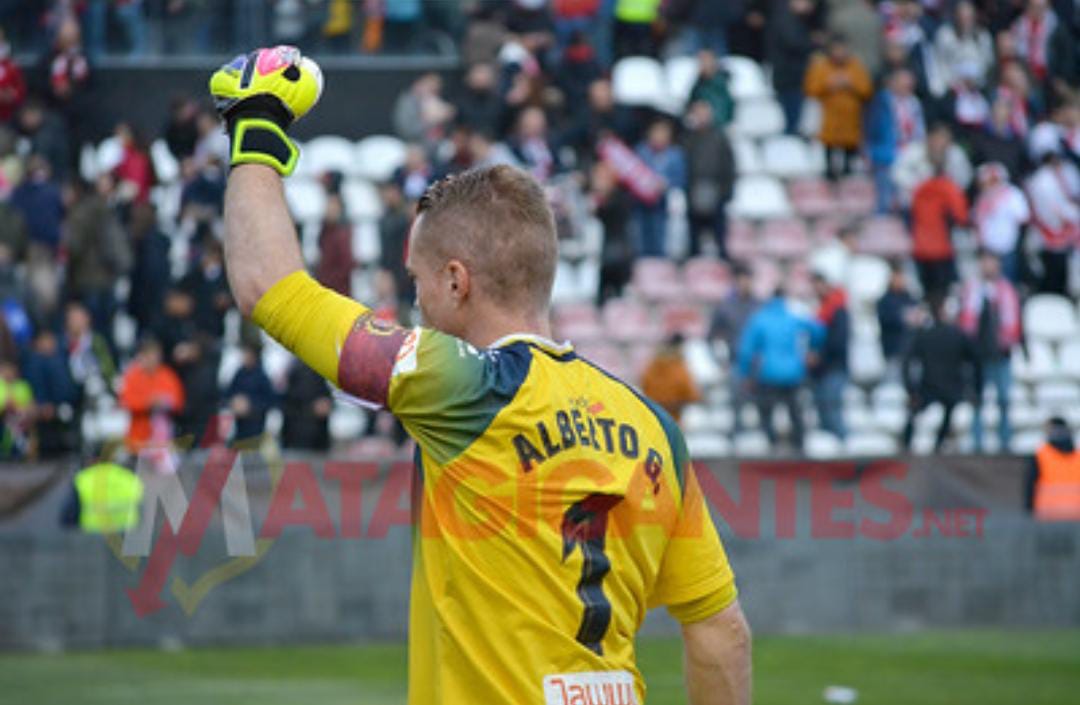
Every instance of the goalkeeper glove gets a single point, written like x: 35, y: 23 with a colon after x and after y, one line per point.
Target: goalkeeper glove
x: 260, y: 95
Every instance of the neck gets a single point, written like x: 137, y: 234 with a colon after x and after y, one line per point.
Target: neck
x: 490, y: 325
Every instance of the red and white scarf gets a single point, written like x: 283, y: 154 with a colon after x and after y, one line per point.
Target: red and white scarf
x: 999, y: 293
x: 1032, y: 38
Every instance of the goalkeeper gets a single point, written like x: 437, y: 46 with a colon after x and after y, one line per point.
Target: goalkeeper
x: 555, y: 505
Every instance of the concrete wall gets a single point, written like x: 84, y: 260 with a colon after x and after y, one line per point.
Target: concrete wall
x: 68, y: 591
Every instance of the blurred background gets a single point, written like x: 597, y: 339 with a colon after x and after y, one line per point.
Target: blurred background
x: 836, y: 238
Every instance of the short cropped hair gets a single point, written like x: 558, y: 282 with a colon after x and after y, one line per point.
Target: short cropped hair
x: 497, y: 222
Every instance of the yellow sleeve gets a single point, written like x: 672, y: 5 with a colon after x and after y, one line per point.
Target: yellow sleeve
x: 310, y: 320
x: 695, y: 579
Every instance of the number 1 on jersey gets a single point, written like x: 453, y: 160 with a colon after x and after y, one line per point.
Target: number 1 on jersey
x: 585, y: 524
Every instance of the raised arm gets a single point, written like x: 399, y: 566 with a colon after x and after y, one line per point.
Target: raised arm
x: 717, y: 659
x: 261, y: 245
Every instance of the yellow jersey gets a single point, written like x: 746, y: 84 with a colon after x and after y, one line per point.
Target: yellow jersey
x: 555, y: 506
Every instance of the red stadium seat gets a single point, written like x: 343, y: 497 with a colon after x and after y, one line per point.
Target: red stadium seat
x: 608, y: 357
x: 709, y: 280
x: 627, y: 320
x: 638, y: 358
x: 657, y: 279
x: 884, y: 236
x: 811, y: 198
x: 742, y: 242
x: 785, y: 238
x: 686, y: 319
x: 798, y: 280
x: 577, y: 323
x: 856, y: 196
x: 767, y: 276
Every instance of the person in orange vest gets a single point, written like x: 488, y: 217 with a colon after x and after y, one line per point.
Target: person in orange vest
x: 1053, y: 487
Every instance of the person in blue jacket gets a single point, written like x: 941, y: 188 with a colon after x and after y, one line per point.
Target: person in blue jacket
x: 894, y: 120
x: 772, y: 358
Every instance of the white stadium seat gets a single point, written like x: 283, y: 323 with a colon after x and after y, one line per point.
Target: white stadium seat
x: 871, y: 445
x: 1069, y: 359
x: 329, y: 153
x: 759, y: 117
x: 361, y: 199
x: 378, y: 157
x: 751, y: 444
x: 1039, y: 364
x: 639, y: 81
x: 166, y: 168
x: 759, y: 198
x: 747, y: 79
x: 681, y: 73
x: 1049, y: 317
x: 707, y: 445
x: 787, y: 156
x: 822, y: 445
x: 868, y: 278
x: 748, y: 159
x: 306, y: 199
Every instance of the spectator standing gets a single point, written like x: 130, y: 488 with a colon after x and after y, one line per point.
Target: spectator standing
x: 532, y: 147
x: 250, y: 396
x: 1001, y: 212
x: 479, y: 105
x: 98, y: 254
x: 151, y: 392
x: 667, y: 379
x: 1053, y: 483
x: 45, y: 134
x: 962, y: 42
x: 1031, y: 34
x: 55, y: 395
x: 772, y: 360
x: 860, y: 22
x: 12, y: 83
x: 420, y: 113
x: 67, y: 81
x: 1054, y: 192
x: 897, y: 313
x: 208, y: 287
x: 895, y: 121
x: 88, y: 356
x: 39, y: 200
x: 181, y: 132
x: 711, y: 162
x: 17, y: 407
x: 135, y: 172
x: 669, y: 161
x: 1014, y: 89
x: 150, y: 272
x: 728, y: 322
x: 601, y: 118
x: 634, y: 20
x: 830, y: 360
x: 416, y: 174
x: 307, y: 405
x: 998, y: 142
x: 612, y: 206
x: 839, y: 81
x: 990, y: 316
x: 336, y: 260
x: 104, y: 499
x: 922, y: 160
x: 937, y: 206
x: 712, y: 86
x: 198, y: 371
x: 938, y: 362
x: 789, y: 44
x: 393, y: 238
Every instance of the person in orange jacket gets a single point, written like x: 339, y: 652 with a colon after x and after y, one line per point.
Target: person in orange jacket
x: 1053, y: 486
x: 149, y: 389
x: 667, y: 380
x: 937, y: 205
x: 840, y: 82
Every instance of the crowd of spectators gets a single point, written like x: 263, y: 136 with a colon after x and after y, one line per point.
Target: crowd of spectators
x: 961, y: 115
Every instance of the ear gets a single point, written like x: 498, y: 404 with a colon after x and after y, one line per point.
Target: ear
x: 459, y: 281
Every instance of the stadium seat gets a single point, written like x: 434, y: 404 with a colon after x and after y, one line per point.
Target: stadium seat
x: 759, y: 198
x: 657, y: 279
x: 1026, y: 442
x: 748, y: 159
x: 856, y: 196
x: 361, y: 199
x: 565, y: 289
x: 785, y: 238
x: 110, y: 152
x: 1049, y: 317
x: 811, y: 198
x: 1054, y: 397
x: 276, y: 361
x: 884, y: 236
x: 639, y: 81
x: 329, y: 153
x: 577, y: 322
x: 742, y: 241
x: 890, y: 419
x: 702, y: 363
x: 231, y: 359
x: 681, y: 72
x: 1069, y: 359
x: 607, y: 356
x: 868, y: 279
x: 346, y: 422
x: 1023, y: 416
x: 747, y: 79
x: 822, y: 445
x: 366, y: 243
x: 686, y: 319
x: 306, y: 199
x: 758, y: 117
x: 707, y: 445
x: 787, y: 156
x: 696, y: 418
x: 638, y: 356
x: 870, y: 445
x: 767, y: 277
x: 751, y: 444
x: 866, y: 361
x: 628, y: 321
x: 377, y: 157
x: 708, y: 279
x: 1039, y: 364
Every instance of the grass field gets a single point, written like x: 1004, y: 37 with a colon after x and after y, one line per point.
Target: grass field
x: 947, y: 668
